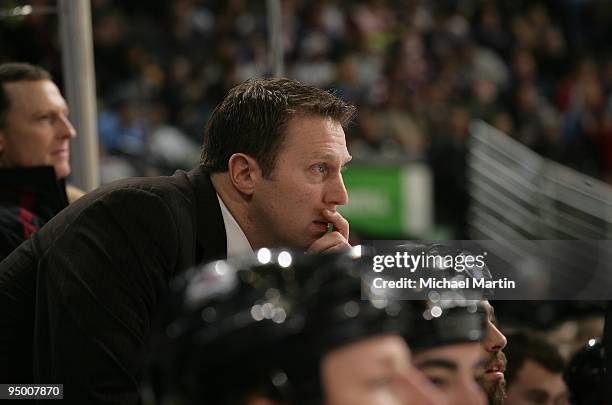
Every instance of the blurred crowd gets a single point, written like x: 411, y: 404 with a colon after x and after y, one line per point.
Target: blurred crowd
x: 418, y: 70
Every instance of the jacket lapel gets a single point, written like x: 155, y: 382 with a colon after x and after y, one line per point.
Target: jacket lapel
x: 210, y: 231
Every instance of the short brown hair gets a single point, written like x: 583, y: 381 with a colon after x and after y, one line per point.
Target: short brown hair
x: 253, y: 117
x: 523, y: 346
x: 16, y: 72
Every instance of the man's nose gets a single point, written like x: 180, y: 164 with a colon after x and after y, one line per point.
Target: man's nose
x: 65, y: 128
x: 335, y: 192
x: 494, y: 340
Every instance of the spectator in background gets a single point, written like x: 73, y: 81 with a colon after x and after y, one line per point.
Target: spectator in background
x: 35, y: 136
x: 583, y: 101
x: 535, y: 372
x: 448, y: 157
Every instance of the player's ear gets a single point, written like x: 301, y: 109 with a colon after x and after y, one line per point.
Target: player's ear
x: 243, y: 171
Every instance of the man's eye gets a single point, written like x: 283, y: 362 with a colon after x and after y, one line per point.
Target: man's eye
x: 438, y: 381
x: 48, y: 117
x: 320, y: 168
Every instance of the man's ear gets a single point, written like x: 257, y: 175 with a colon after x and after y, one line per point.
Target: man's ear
x: 243, y: 172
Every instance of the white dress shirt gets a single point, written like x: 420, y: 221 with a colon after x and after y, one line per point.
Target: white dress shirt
x: 237, y: 242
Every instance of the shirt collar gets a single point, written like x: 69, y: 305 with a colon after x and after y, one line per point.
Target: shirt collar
x: 237, y: 242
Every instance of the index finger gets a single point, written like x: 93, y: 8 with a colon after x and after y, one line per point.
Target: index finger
x: 338, y: 221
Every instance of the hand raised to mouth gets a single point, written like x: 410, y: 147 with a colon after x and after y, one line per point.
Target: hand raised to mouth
x: 335, y: 240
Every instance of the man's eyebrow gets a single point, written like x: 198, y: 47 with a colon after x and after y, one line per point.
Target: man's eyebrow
x: 437, y: 363
x: 330, y: 156
x: 50, y: 109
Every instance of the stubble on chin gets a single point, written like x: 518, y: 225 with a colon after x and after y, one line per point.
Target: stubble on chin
x: 496, y: 392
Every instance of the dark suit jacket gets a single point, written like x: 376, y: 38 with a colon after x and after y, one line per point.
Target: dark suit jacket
x: 77, y: 300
